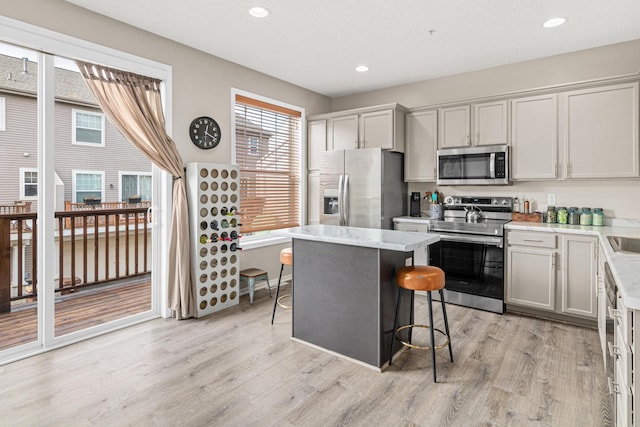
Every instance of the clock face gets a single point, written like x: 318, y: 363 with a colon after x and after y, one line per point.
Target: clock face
x: 205, y: 132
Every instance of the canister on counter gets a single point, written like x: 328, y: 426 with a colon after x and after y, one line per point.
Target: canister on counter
x: 586, y: 216
x: 598, y: 217
x: 552, y: 215
x: 563, y: 215
x: 574, y: 216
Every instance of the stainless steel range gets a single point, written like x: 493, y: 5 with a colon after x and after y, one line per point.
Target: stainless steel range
x: 471, y: 250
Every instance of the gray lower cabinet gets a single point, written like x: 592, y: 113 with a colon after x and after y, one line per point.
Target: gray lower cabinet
x: 552, y: 272
x: 622, y: 352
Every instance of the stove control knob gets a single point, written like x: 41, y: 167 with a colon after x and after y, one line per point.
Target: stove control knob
x: 505, y: 202
x: 448, y: 200
x: 496, y: 201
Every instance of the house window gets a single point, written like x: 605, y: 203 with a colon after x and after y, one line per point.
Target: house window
x: 135, y: 184
x: 28, y: 183
x: 2, y: 113
x: 267, y: 151
x: 88, y: 128
x: 88, y: 184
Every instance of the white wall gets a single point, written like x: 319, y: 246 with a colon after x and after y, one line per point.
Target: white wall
x: 619, y: 198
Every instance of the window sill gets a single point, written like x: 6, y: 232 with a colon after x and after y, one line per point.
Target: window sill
x: 260, y: 242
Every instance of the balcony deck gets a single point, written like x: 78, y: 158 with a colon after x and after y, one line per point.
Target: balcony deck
x: 79, y: 310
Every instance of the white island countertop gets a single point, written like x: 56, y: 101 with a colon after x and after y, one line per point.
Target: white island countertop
x: 403, y: 241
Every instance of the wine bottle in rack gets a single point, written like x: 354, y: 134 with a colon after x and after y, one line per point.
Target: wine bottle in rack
x: 234, y: 247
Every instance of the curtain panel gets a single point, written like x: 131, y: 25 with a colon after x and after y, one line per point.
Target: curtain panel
x: 133, y: 103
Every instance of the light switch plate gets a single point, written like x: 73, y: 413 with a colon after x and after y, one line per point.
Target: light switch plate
x: 551, y: 199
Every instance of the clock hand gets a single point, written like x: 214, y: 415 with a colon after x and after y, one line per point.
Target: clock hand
x: 208, y: 134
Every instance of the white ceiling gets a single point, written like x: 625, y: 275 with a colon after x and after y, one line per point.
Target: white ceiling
x: 317, y: 44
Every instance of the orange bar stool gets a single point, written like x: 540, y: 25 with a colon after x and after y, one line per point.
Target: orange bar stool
x: 286, y: 258
x: 422, y: 278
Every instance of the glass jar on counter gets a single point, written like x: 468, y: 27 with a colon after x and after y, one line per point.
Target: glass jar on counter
x: 586, y: 216
x: 551, y: 216
x: 598, y: 217
x: 574, y: 216
x: 563, y: 215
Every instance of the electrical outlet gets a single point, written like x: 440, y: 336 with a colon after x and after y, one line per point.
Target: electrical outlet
x: 551, y: 199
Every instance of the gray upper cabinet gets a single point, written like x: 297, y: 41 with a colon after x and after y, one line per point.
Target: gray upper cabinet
x: 600, y: 132
x: 343, y: 132
x: 373, y: 127
x: 454, y: 126
x: 421, y: 141
x: 490, y: 123
x: 534, y: 137
x: 376, y: 129
x: 487, y: 126
x: 316, y: 142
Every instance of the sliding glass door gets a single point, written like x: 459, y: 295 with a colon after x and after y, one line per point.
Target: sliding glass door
x: 87, y: 268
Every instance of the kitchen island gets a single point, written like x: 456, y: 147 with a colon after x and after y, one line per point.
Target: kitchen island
x: 344, y: 289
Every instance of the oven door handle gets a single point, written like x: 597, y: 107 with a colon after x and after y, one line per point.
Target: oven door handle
x: 466, y: 238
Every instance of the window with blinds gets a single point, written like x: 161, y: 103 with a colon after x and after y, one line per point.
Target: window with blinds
x: 267, y: 146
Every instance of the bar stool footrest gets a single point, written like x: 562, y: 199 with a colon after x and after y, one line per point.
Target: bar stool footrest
x: 417, y: 347
x: 281, y: 304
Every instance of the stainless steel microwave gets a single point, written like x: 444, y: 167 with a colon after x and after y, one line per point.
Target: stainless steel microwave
x: 487, y: 165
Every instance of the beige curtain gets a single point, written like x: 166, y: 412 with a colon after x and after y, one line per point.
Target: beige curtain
x: 134, y: 105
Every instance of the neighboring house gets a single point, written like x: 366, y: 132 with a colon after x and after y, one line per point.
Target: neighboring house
x: 92, y: 158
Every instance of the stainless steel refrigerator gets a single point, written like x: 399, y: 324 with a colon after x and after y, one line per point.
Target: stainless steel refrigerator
x: 362, y: 188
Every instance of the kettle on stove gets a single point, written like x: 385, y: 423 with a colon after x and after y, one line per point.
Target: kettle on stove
x: 474, y: 214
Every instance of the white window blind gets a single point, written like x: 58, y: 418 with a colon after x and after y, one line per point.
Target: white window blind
x: 268, y: 140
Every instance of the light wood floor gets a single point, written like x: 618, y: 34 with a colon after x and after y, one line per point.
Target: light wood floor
x: 235, y: 369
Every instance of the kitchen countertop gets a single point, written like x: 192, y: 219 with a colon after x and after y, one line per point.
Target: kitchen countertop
x: 624, y: 267
x: 403, y: 241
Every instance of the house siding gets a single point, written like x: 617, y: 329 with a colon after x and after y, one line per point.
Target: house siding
x: 20, y: 137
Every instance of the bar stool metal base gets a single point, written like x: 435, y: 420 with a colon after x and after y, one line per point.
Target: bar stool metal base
x: 278, y: 300
x: 433, y: 347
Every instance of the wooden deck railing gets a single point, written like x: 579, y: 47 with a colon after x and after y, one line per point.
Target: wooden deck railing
x: 83, y: 207
x: 117, y: 248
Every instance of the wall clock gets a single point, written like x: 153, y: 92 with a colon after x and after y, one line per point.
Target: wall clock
x: 205, y: 132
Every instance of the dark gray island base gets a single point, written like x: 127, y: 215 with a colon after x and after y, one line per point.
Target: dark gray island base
x: 344, y: 294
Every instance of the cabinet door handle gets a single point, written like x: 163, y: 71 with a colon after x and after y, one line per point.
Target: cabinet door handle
x: 613, y: 386
x: 568, y: 170
x: 614, y: 351
x: 553, y: 259
x: 478, y: 138
x: 555, y: 170
x: 355, y: 143
x: 533, y: 240
x: 364, y: 143
x: 468, y: 140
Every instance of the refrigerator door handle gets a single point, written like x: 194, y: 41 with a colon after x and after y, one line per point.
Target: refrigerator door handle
x: 345, y: 198
x: 340, y: 200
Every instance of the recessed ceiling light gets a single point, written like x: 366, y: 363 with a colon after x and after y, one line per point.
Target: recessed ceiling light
x: 362, y: 68
x: 554, y: 22
x: 258, y: 12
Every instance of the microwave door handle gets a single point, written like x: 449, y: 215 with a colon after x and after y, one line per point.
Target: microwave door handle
x: 492, y: 165
x: 340, y: 200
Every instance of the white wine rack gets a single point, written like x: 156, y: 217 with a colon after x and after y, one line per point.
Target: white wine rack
x: 213, y: 191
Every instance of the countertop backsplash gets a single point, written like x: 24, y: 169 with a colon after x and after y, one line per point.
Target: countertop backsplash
x: 618, y: 198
